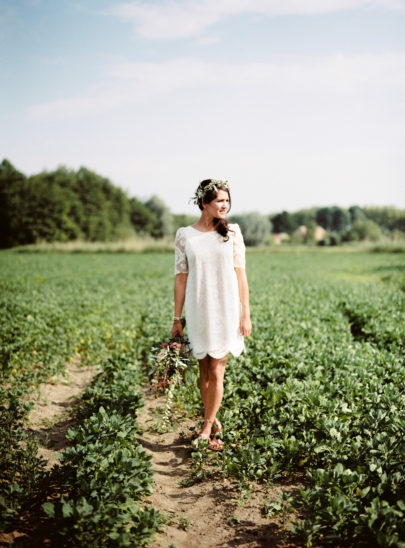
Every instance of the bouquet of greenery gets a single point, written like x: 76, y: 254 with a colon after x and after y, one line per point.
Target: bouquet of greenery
x: 172, y: 364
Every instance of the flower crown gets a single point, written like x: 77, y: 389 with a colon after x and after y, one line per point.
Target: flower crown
x: 213, y: 185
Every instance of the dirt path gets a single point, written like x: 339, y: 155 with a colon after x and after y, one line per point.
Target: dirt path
x: 203, y: 515
x: 50, y: 418
x: 207, y: 514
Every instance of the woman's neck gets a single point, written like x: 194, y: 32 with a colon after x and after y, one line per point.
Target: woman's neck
x: 206, y: 222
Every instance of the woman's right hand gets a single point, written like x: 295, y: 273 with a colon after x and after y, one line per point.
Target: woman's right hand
x: 177, y: 329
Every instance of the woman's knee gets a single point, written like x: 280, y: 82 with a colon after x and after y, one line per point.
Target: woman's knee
x: 204, y: 371
x: 217, y: 371
x: 204, y: 382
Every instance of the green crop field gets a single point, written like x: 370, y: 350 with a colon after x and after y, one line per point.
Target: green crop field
x: 318, y: 395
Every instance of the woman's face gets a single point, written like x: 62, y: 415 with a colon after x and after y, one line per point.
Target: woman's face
x: 219, y: 206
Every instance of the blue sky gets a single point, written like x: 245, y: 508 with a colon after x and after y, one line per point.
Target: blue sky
x: 296, y: 102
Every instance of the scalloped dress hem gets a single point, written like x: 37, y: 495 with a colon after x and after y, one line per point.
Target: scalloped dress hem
x: 216, y: 356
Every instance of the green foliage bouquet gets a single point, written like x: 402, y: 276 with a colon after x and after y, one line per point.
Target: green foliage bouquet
x: 172, y: 364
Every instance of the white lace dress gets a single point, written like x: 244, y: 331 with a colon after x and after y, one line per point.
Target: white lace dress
x: 212, y: 304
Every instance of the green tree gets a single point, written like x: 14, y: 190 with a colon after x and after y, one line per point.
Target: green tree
x: 340, y: 219
x: 183, y: 220
x: 164, y: 223
x: 96, y: 224
x: 334, y: 219
x: 283, y: 222
x: 365, y: 230
x: 60, y: 205
x: 254, y: 226
x: 304, y: 216
x: 324, y: 217
x: 47, y: 212
x: 106, y: 208
x: 356, y: 213
x: 143, y: 219
x: 12, y: 183
x: 387, y: 217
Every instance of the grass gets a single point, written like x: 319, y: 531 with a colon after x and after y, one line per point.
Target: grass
x: 166, y: 245
x: 129, y: 245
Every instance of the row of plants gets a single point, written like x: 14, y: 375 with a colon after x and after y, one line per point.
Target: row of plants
x: 23, y: 474
x: 52, y: 312
x: 318, y: 398
x: 318, y: 395
x: 97, y: 492
x: 106, y: 473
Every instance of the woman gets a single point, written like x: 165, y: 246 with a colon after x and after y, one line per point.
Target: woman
x: 211, y: 281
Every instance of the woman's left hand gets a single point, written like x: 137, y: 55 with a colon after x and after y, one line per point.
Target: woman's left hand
x: 245, y: 326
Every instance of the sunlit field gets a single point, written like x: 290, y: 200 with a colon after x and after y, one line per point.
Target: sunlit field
x: 318, y: 395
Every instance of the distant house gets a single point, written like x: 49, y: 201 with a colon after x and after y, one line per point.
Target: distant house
x: 320, y: 233
x: 280, y: 237
x: 301, y: 233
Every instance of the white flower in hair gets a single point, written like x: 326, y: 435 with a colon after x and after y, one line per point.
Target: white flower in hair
x: 213, y: 185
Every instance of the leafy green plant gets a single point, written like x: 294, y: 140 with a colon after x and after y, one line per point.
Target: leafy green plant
x: 318, y: 395
x: 283, y: 505
x: 106, y: 471
x: 22, y: 471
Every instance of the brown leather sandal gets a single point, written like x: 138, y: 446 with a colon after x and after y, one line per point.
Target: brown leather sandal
x: 216, y: 443
x: 198, y: 439
x: 205, y: 437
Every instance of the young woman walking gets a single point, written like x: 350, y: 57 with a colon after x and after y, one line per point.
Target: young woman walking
x: 211, y: 282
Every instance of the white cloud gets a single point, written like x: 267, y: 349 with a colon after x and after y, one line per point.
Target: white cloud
x: 294, y: 79
x: 176, y: 19
x: 300, y: 130
x: 207, y: 40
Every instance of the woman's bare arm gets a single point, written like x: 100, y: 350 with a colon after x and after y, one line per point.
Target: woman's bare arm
x: 179, y: 296
x: 245, y: 323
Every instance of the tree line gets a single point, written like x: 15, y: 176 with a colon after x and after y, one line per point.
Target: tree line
x: 65, y: 204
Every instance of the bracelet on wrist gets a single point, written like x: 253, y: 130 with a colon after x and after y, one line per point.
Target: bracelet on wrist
x: 177, y: 318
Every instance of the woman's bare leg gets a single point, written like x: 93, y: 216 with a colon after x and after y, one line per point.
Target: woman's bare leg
x: 214, y: 391
x: 204, y: 378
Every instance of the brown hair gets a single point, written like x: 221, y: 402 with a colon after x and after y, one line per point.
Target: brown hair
x: 221, y: 225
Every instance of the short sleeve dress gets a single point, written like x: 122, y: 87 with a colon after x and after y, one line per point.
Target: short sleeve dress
x: 212, y: 303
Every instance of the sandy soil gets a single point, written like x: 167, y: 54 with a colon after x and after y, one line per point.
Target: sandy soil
x: 204, y: 515
x: 50, y: 418
x: 212, y: 511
